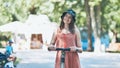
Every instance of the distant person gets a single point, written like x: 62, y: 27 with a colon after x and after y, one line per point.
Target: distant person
x: 67, y: 36
x: 9, y: 48
x: 9, y: 51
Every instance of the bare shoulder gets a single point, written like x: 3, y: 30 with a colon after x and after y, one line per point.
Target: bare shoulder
x: 56, y: 30
x: 77, y: 30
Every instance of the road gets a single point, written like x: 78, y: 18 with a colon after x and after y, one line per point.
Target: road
x: 43, y: 59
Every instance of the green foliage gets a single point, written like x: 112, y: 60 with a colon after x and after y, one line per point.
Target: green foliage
x: 5, y: 36
x: 77, y: 5
x: 19, y: 10
x: 14, y: 10
x: 1, y: 45
x: 110, y: 13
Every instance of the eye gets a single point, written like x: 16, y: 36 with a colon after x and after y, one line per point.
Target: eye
x: 68, y: 16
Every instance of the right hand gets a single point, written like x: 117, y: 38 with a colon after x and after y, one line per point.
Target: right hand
x: 11, y: 58
x: 51, y: 48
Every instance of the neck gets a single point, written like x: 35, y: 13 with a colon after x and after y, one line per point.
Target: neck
x: 66, y: 26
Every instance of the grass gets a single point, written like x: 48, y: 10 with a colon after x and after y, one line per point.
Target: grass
x: 17, y: 61
x: 113, y: 51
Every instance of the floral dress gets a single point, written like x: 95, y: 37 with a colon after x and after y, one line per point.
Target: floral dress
x: 71, y: 58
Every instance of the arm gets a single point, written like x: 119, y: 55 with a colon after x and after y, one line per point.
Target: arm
x: 78, y: 38
x: 78, y: 47
x: 53, y: 40
x: 52, y: 43
x: 13, y: 50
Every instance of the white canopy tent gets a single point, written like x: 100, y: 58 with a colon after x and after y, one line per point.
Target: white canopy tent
x: 35, y: 24
x: 11, y: 27
x: 38, y: 24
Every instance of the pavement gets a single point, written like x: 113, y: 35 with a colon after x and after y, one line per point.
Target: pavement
x: 41, y: 58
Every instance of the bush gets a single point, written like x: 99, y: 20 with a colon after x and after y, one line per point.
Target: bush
x: 1, y: 45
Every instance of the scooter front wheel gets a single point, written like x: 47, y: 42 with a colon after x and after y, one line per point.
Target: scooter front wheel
x: 9, y: 65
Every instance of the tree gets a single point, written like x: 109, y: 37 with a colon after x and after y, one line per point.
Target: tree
x: 88, y: 18
x: 110, y: 16
x: 97, y: 13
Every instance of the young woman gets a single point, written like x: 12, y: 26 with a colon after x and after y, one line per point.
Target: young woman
x: 67, y: 36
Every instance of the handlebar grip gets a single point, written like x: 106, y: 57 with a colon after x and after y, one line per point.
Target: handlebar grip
x: 62, y: 49
x: 49, y: 49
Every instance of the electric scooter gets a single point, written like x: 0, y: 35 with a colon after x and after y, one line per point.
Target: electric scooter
x: 62, y: 55
x: 4, y: 61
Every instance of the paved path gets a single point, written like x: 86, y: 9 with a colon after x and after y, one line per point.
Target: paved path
x: 36, y: 59
x: 45, y: 59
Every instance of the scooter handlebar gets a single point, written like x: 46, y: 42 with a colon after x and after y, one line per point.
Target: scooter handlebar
x: 62, y: 49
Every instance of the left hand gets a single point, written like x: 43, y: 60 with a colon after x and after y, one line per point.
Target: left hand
x: 73, y: 49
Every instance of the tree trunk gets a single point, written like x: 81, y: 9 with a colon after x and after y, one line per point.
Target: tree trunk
x: 88, y: 25
x: 98, y: 20
x: 95, y: 30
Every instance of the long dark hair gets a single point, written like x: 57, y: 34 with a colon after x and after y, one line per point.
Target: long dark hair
x: 71, y: 25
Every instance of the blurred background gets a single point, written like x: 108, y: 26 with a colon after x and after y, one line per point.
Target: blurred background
x: 31, y: 23
x: 24, y: 20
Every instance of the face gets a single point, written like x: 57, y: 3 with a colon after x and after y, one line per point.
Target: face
x: 67, y: 19
x: 11, y: 43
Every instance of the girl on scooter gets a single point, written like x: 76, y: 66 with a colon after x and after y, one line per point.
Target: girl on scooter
x: 67, y: 36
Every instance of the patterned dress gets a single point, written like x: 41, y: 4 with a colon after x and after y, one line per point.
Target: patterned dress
x: 71, y: 58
